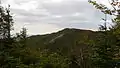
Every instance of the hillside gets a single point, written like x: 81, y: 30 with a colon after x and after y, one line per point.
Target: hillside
x: 67, y: 40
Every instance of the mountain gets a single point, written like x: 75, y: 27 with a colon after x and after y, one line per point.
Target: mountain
x: 66, y: 41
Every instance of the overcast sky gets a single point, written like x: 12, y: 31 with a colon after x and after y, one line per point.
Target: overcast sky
x: 46, y: 16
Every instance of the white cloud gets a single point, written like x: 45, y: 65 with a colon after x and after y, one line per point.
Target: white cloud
x: 53, y: 1
x: 57, y: 1
x: 37, y: 28
x: 46, y: 16
x: 57, y: 16
x: 32, y: 5
x: 76, y: 14
x: 27, y: 5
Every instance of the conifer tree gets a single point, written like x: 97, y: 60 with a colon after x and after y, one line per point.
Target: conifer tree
x: 107, y: 46
x: 6, y: 23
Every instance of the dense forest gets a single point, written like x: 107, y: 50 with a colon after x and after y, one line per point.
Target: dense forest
x: 68, y: 48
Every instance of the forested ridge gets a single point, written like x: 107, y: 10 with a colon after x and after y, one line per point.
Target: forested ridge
x: 68, y: 48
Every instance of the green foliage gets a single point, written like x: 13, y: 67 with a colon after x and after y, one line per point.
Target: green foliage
x: 64, y: 41
x: 15, y: 54
x: 107, y: 46
x: 67, y: 42
x: 69, y: 48
x: 53, y: 60
x: 105, y: 50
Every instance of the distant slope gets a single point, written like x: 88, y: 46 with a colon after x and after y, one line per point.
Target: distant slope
x: 67, y: 40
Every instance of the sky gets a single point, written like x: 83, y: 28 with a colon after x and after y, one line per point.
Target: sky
x: 47, y: 16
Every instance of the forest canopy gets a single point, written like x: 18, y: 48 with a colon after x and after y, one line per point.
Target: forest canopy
x: 68, y: 48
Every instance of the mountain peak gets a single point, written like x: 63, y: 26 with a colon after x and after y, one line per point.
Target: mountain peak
x: 66, y: 39
x: 72, y: 30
